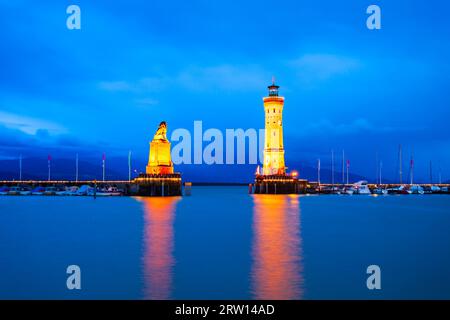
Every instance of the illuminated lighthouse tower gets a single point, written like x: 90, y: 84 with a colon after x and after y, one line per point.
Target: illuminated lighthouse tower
x: 273, y: 179
x: 273, y: 143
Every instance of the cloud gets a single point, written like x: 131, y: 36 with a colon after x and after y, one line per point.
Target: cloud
x: 195, y: 78
x: 146, y: 102
x: 115, y: 86
x: 361, y: 125
x: 14, y: 142
x: 146, y: 84
x: 29, y: 125
x: 226, y: 77
x: 321, y: 67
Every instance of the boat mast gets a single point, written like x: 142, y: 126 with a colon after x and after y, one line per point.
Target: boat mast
x: 20, y: 168
x: 318, y: 171
x: 49, y: 159
x: 332, y: 167
x: 103, y: 165
x: 76, y: 167
x: 381, y: 166
x: 411, y: 167
x: 400, y: 162
x: 348, y: 166
x: 129, y: 165
x: 431, y: 171
x: 376, y: 166
x: 343, y: 166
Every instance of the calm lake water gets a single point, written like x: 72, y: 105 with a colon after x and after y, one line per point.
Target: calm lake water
x: 221, y: 243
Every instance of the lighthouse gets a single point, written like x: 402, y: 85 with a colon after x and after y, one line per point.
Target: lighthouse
x: 273, y: 143
x: 273, y: 178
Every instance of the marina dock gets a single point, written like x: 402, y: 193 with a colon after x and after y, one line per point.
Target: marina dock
x: 144, y: 185
x: 171, y: 185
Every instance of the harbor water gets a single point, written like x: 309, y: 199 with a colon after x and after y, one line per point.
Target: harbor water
x: 222, y: 243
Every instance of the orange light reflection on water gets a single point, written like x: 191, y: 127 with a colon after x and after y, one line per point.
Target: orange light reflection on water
x: 158, y: 246
x: 277, y: 262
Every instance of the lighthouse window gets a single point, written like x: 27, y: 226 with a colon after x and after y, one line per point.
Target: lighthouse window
x: 274, y: 110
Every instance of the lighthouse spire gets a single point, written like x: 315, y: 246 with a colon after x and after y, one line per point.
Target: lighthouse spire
x: 273, y: 89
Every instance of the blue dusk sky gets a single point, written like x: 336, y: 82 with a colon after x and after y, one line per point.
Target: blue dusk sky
x: 106, y: 87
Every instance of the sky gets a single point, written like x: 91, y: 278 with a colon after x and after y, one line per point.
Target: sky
x: 106, y: 87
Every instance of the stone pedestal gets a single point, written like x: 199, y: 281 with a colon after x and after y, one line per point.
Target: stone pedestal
x: 159, y: 161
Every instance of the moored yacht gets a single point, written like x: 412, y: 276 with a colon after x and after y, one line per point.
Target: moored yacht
x: 4, y: 190
x: 348, y: 190
x: 361, y: 187
x: 379, y: 191
x: 38, y: 191
x: 105, y: 192
x: 83, y: 190
x: 416, y: 189
x: 399, y: 190
x: 14, y: 191
x: 68, y: 191
x: 25, y: 191
x: 50, y: 191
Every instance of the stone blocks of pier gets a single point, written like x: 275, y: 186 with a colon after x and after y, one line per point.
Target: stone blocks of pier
x: 278, y: 184
x: 157, y: 185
